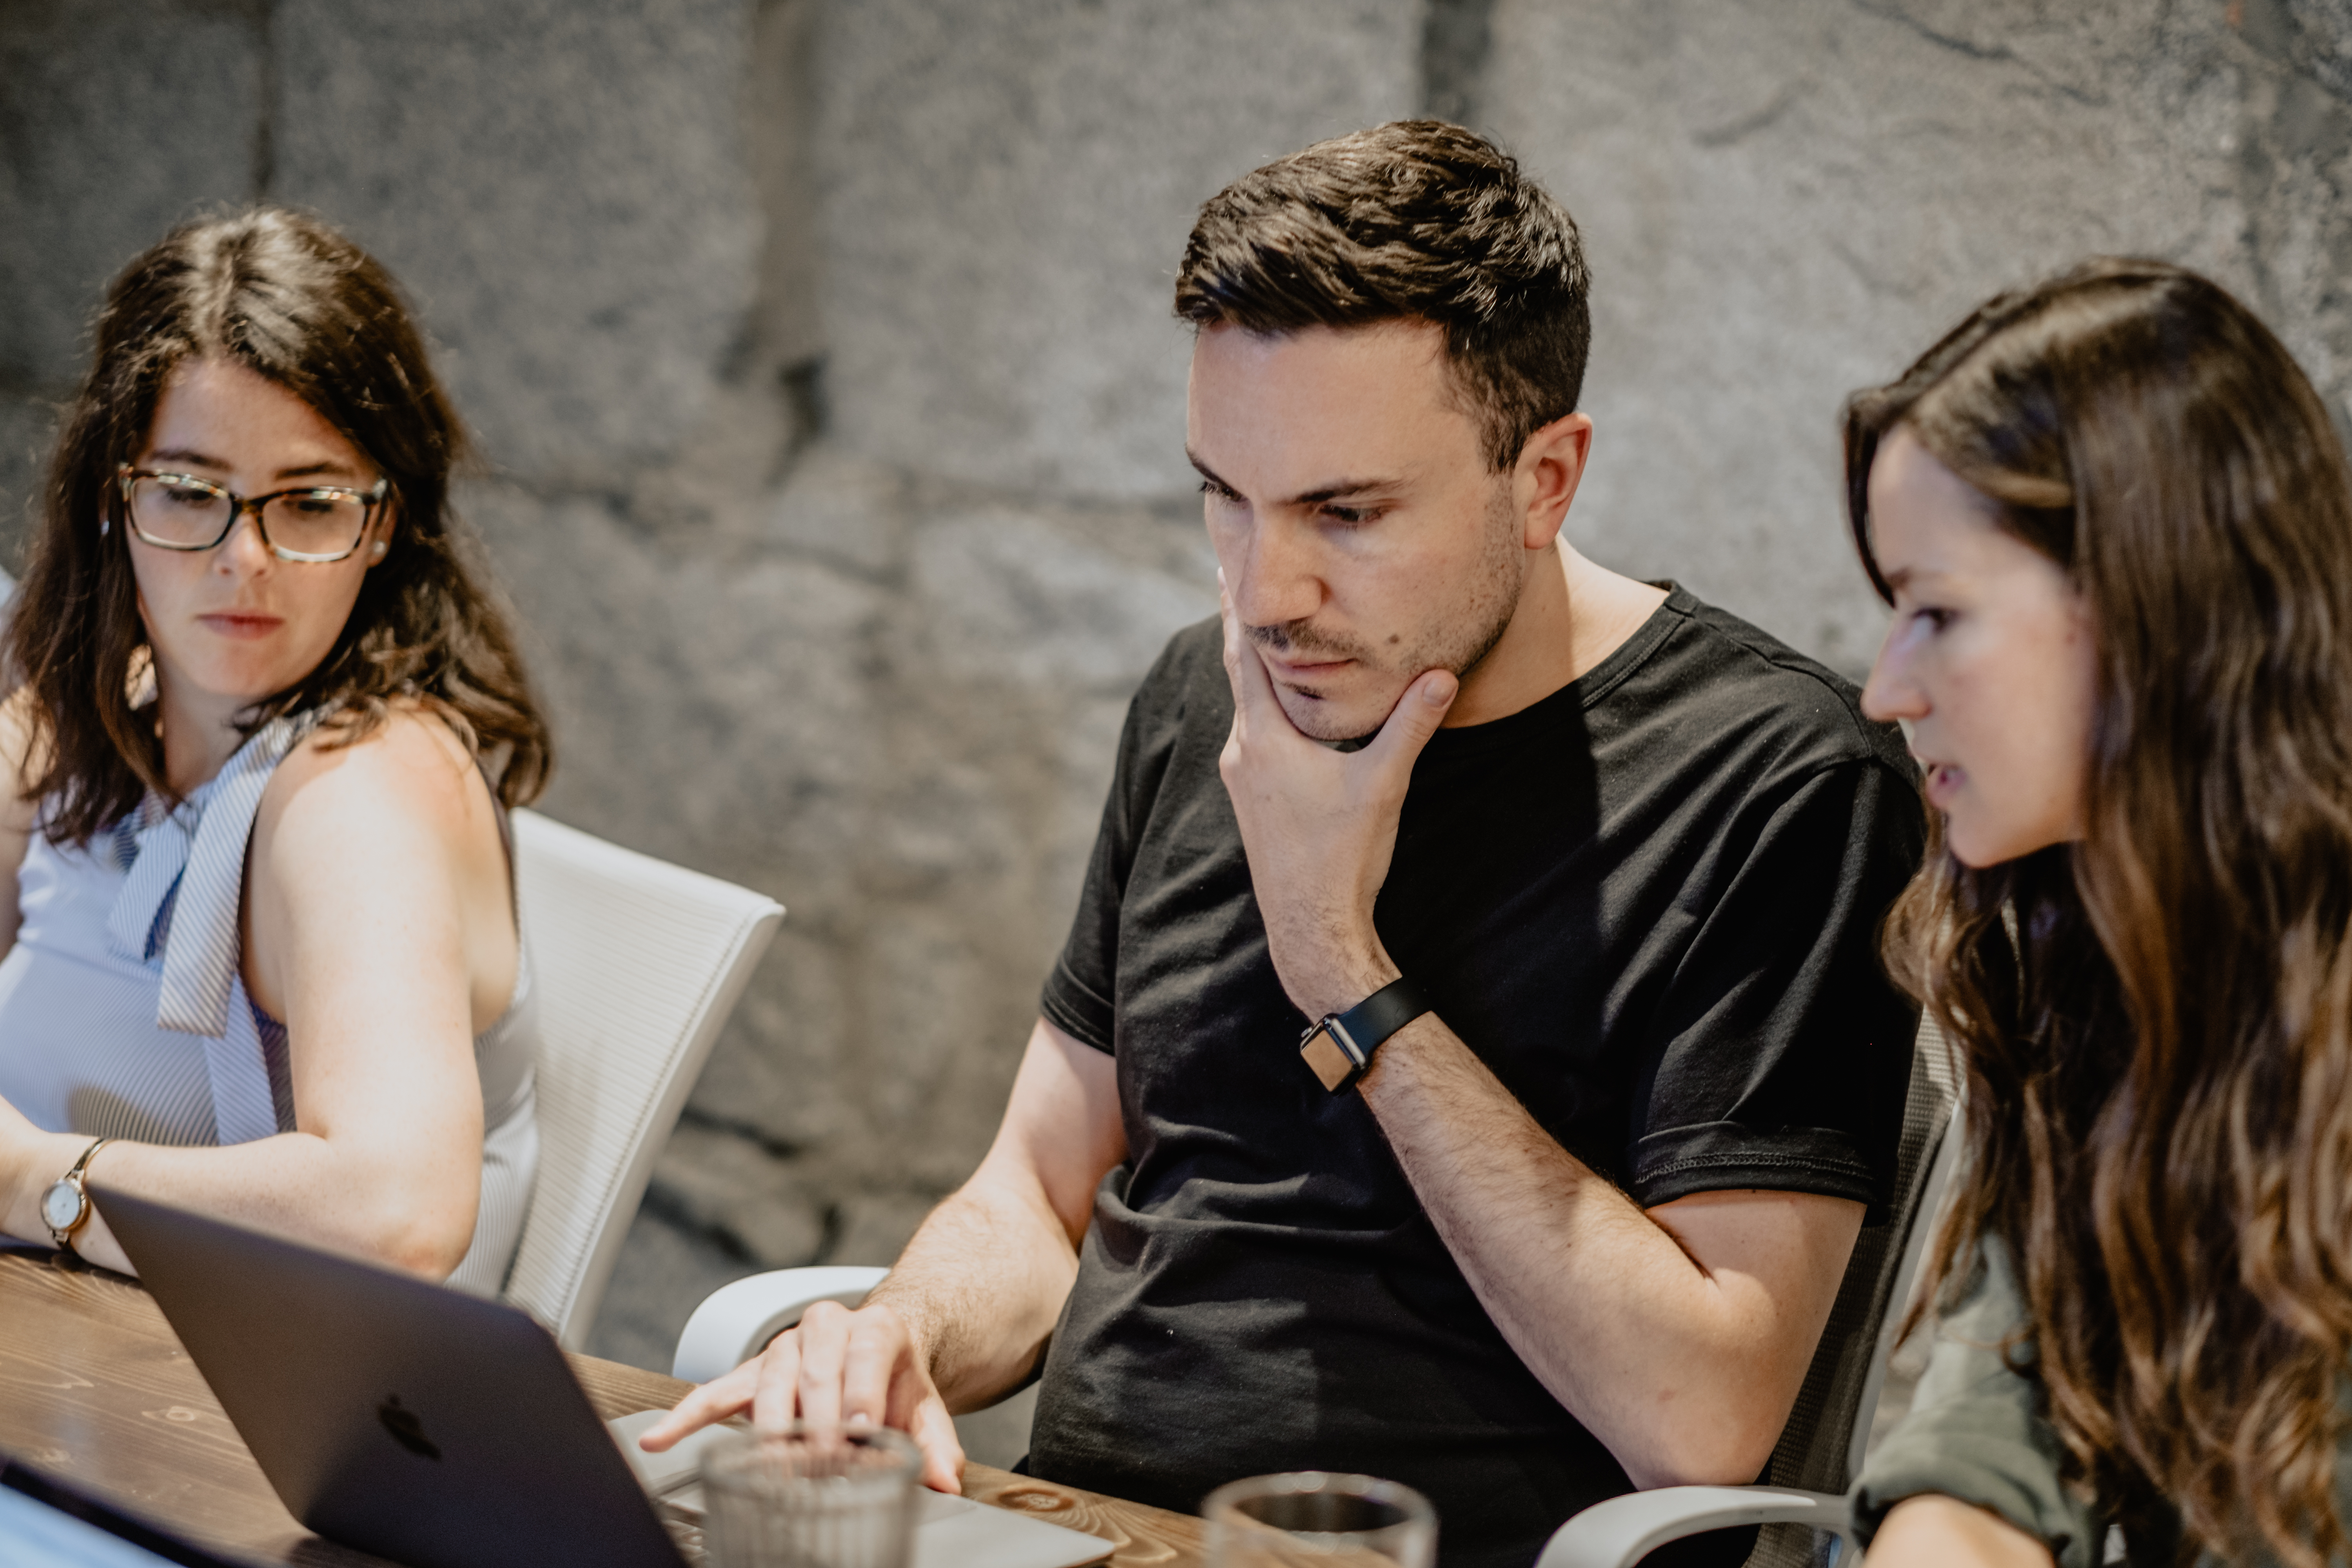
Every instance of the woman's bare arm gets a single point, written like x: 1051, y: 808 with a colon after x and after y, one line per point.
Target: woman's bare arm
x: 1948, y: 1533
x: 378, y: 926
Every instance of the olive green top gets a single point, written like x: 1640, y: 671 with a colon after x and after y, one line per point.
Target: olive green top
x: 1980, y: 1433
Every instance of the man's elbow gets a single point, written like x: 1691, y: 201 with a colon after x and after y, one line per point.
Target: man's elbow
x: 1720, y: 1449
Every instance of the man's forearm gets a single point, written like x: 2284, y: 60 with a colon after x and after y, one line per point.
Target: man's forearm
x: 1684, y: 1374
x: 979, y: 1288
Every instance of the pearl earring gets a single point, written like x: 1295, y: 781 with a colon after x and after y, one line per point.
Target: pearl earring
x: 377, y: 553
x: 105, y: 526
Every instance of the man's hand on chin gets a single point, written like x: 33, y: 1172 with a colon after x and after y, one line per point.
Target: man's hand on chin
x: 1319, y: 825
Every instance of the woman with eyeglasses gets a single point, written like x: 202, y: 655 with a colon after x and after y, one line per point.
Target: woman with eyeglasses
x: 262, y: 959
x: 2115, y: 523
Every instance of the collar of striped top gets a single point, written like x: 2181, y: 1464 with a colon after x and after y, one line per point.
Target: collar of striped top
x: 186, y: 877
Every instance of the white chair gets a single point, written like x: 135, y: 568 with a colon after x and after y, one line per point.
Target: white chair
x: 737, y: 1321
x: 638, y: 963
x: 1802, y: 1502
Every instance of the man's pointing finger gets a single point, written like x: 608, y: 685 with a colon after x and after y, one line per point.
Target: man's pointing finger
x: 1253, y: 687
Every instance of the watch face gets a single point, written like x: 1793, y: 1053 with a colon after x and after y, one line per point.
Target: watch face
x: 61, y: 1204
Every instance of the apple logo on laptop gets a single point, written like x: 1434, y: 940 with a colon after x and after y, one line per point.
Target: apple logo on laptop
x: 406, y: 1428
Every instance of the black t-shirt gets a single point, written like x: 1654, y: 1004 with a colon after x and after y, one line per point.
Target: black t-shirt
x: 1648, y: 902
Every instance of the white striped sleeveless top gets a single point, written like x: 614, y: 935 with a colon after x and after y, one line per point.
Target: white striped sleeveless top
x: 123, y: 1010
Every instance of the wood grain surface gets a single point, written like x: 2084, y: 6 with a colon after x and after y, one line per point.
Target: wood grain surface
x: 95, y: 1389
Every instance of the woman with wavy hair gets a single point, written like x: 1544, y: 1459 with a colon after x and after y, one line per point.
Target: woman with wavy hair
x: 262, y: 959
x: 2115, y: 523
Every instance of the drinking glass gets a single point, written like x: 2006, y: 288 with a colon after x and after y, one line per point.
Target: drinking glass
x: 1312, y: 1520
x: 809, y: 1497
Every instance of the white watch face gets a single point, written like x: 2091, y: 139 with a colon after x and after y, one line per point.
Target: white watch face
x: 61, y: 1204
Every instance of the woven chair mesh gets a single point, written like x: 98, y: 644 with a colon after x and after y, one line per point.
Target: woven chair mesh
x: 1813, y: 1447
x: 629, y: 953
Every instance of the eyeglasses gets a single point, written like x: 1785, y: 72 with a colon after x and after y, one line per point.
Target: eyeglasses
x: 179, y: 511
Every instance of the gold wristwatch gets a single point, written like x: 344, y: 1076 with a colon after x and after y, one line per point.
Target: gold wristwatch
x: 65, y: 1207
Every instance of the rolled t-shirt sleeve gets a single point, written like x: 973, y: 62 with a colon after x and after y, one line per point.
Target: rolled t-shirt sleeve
x: 1782, y: 1054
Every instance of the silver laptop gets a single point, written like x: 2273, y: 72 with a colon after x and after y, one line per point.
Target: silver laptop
x: 444, y: 1431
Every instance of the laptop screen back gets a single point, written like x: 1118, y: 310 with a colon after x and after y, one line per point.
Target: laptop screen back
x: 391, y: 1415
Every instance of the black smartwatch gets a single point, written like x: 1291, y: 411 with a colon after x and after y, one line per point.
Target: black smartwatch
x: 1339, y: 1047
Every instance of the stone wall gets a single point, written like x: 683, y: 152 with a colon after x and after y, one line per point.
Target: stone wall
x: 833, y: 417
x: 1785, y: 202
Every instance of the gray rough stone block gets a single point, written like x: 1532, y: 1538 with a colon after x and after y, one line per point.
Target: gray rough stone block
x: 719, y: 1183
x: 664, y: 1272
x: 118, y: 119
x: 877, y: 1227
x: 27, y: 432
x: 561, y: 182
x: 1007, y: 187
x: 1784, y: 203
x: 892, y: 704
x: 846, y: 510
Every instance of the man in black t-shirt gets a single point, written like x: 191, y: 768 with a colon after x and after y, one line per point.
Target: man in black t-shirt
x: 1588, y: 873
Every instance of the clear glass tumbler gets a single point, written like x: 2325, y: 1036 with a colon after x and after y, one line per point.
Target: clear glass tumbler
x: 809, y: 1497
x: 1312, y: 1520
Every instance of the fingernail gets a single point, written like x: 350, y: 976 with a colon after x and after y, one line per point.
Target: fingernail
x: 1438, y: 693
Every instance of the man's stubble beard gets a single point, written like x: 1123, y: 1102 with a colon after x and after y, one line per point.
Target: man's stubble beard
x: 1457, y: 643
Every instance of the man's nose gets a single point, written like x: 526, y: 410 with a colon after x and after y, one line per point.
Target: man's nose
x: 1279, y: 581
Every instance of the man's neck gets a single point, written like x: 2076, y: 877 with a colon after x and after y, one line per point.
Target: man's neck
x: 1571, y: 616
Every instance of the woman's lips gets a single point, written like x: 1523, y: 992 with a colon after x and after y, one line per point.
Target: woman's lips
x: 1943, y: 781
x: 239, y: 624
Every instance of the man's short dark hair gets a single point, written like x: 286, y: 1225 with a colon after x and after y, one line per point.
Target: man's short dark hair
x: 1413, y: 220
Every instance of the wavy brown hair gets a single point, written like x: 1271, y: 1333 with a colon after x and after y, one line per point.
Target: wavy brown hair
x: 2155, y: 1022
x: 288, y: 297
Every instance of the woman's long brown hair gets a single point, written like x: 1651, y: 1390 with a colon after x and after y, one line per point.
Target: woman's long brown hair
x: 288, y: 297
x: 2155, y: 1021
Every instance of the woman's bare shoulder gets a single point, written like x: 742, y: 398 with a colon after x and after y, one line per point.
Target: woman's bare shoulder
x: 408, y: 767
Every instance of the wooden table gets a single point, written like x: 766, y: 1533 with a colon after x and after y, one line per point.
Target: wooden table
x: 95, y: 1389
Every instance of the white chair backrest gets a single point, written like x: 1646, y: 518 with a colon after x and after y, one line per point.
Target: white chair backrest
x: 638, y: 963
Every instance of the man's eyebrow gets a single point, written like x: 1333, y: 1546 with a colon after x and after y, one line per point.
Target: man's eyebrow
x: 1338, y: 489
x: 1335, y: 491
x: 1204, y: 469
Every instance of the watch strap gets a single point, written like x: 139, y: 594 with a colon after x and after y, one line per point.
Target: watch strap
x: 1339, y: 1047
x: 73, y: 1178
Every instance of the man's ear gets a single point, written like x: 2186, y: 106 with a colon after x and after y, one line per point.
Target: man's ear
x: 1544, y: 480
